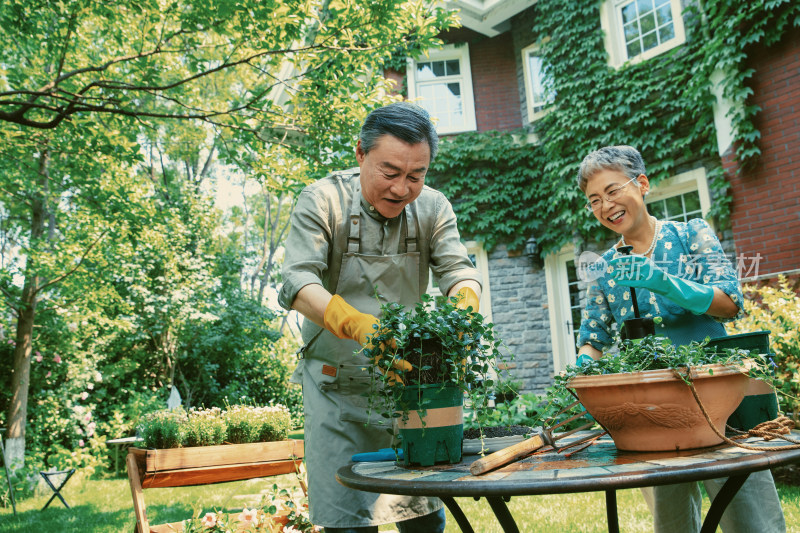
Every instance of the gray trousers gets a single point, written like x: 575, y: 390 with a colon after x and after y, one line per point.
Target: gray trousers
x: 756, y: 508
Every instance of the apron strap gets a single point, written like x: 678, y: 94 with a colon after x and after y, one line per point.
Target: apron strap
x: 354, y: 235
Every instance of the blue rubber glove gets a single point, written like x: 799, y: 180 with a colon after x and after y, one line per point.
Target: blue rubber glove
x: 384, y: 454
x: 584, y: 359
x: 639, y: 271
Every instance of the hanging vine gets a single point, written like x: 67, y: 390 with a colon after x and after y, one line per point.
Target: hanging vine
x: 505, y: 190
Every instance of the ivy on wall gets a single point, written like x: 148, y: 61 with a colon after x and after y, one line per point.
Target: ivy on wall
x: 505, y: 190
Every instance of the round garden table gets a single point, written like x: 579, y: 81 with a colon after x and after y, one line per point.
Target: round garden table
x: 600, y: 467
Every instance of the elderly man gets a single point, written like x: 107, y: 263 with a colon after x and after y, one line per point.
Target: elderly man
x: 358, y: 238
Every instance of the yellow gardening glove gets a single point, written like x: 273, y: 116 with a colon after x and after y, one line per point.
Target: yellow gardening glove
x: 467, y: 298
x: 347, y: 322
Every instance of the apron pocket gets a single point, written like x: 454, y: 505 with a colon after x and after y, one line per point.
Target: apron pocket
x: 354, y: 386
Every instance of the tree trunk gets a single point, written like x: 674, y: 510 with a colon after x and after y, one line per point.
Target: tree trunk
x: 21, y: 378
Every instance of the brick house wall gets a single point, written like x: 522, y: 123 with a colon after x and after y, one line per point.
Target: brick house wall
x: 494, y: 84
x: 765, y: 216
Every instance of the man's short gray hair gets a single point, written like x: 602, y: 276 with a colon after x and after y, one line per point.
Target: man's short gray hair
x: 406, y: 121
x: 625, y: 159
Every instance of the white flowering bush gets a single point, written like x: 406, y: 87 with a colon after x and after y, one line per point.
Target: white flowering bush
x: 238, y: 424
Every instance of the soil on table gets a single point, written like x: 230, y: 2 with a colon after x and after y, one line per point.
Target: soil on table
x: 499, y: 431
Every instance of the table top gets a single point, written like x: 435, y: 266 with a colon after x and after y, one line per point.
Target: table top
x: 599, y: 467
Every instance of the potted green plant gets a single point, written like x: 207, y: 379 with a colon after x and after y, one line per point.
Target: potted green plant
x: 643, y: 395
x: 424, y: 360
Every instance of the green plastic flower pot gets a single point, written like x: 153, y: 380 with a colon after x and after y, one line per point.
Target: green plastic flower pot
x: 434, y: 430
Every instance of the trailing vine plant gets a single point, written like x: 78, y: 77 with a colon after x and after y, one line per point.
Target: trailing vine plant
x: 505, y: 189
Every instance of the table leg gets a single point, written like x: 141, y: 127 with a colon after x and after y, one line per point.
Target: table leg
x: 503, y: 514
x: 720, y: 503
x: 611, y: 511
x: 458, y: 514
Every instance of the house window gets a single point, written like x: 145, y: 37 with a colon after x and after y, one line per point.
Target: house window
x: 442, y: 85
x: 536, y: 96
x: 640, y: 29
x: 681, y: 197
x: 681, y: 207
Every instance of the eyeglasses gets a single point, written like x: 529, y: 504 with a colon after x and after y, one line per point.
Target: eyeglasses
x: 611, y: 196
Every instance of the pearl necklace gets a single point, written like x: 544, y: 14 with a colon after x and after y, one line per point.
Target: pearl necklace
x: 656, y: 227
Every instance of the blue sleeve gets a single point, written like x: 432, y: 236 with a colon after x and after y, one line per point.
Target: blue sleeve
x: 598, y: 327
x: 708, y: 265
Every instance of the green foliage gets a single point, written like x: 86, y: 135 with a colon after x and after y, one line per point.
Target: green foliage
x: 429, y: 345
x: 777, y: 310
x: 655, y: 353
x: 504, y: 190
x: 237, y: 424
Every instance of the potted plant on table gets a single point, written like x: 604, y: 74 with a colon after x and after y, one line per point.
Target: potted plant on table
x: 424, y: 361
x: 654, y: 395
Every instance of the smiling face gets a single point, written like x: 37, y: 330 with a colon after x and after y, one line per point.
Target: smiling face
x: 392, y: 173
x: 627, y: 212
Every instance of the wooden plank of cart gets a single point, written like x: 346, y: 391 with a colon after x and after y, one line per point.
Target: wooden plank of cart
x: 182, y: 467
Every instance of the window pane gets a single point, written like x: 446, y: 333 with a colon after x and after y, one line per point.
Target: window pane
x: 666, y: 32
x: 657, y: 209
x: 634, y: 48
x: 453, y: 67
x: 629, y: 13
x: 438, y: 68
x: 691, y: 202
x: 424, y: 71
x: 664, y: 14
x: 443, y: 101
x: 674, y: 207
x: 648, y: 22
x: 649, y: 41
x: 644, y: 6
x: 631, y: 32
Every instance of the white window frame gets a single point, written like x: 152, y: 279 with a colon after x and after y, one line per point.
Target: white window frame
x: 449, y: 52
x: 558, y: 307
x: 611, y: 22
x: 533, y: 115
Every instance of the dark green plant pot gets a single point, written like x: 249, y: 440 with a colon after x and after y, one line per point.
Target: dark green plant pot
x: 434, y: 431
x: 760, y: 403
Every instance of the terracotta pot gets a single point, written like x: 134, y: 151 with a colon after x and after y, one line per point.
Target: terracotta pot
x: 654, y: 410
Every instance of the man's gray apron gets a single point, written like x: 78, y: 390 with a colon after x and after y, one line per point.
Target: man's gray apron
x: 337, y: 421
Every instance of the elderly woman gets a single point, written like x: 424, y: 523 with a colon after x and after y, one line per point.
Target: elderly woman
x: 692, y: 287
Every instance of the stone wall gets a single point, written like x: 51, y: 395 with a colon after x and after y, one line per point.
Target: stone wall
x: 520, y: 316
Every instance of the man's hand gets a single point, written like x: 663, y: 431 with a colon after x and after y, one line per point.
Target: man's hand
x: 467, y: 298
x: 347, y: 322
x: 639, y: 271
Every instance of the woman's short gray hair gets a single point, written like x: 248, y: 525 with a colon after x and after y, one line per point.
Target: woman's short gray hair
x: 625, y: 159
x: 406, y: 121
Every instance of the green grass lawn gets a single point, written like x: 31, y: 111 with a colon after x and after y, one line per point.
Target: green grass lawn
x: 105, y: 506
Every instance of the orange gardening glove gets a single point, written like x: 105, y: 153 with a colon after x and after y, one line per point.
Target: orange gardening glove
x: 467, y: 298
x: 347, y: 322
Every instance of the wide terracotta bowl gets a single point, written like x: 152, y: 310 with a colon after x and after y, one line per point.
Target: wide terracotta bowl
x: 654, y: 410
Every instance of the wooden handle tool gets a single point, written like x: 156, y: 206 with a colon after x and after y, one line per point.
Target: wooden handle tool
x: 512, y: 453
